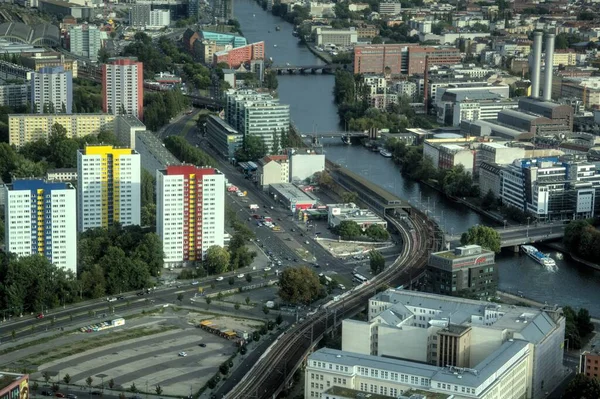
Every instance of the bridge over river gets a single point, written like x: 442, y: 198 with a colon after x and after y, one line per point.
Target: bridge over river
x: 514, y: 236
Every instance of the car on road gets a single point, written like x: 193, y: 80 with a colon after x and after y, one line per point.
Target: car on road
x: 40, y: 316
x: 46, y: 393
x: 220, y: 278
x: 307, y: 242
x: 120, y: 298
x: 111, y: 299
x: 241, y: 276
x: 135, y: 397
x: 96, y: 393
x: 202, y: 345
x: 59, y: 395
x: 182, y: 354
x: 71, y: 396
x: 267, y: 269
x: 295, y: 259
x: 195, y: 283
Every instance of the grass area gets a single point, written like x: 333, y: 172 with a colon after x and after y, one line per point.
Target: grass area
x: 36, y: 342
x: 62, y: 352
x: 189, y: 125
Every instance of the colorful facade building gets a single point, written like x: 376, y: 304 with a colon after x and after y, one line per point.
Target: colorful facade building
x: 190, y: 212
x: 240, y: 55
x: 14, y: 385
x: 40, y: 219
x: 123, y: 87
x: 108, y: 187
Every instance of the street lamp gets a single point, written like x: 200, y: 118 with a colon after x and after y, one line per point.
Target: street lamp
x: 504, y: 224
x: 528, y: 217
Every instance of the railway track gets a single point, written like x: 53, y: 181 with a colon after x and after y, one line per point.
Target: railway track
x: 273, y: 368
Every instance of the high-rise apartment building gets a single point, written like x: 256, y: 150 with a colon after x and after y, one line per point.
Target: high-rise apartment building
x: 85, y: 41
x: 190, y: 212
x: 40, y: 219
x: 142, y: 16
x: 123, y: 87
x: 257, y: 114
x: 108, y: 187
x: 14, y: 94
x: 52, y: 91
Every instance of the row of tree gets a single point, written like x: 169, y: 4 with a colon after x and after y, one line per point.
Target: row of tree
x: 454, y: 182
x: 350, y: 230
x: 578, y: 326
x: 582, y: 240
x: 187, y: 153
x: 159, y: 108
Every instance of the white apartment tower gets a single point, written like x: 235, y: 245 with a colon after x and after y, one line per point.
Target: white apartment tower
x: 52, y: 91
x: 39, y: 219
x: 85, y: 41
x: 108, y: 187
x: 123, y: 87
x: 190, y: 212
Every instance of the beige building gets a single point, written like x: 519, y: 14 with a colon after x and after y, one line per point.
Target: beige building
x: 446, y: 155
x: 273, y: 169
x: 586, y: 89
x: 25, y: 128
x: 338, y: 37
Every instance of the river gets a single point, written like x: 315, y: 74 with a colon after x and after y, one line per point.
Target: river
x: 312, y: 109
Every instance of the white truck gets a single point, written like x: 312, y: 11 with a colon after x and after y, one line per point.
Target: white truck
x: 254, y: 206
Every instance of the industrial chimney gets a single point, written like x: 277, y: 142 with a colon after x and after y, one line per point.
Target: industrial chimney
x: 549, y: 66
x: 537, y: 65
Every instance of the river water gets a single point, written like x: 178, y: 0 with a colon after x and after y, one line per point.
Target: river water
x: 312, y: 109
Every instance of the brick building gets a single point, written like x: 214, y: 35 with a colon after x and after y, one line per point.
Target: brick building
x: 238, y: 56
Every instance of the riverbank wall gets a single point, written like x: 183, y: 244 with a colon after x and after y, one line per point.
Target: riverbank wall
x: 561, y: 248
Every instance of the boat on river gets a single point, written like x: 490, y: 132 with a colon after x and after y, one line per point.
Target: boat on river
x: 538, y: 256
x: 385, y: 154
x: 278, y: 28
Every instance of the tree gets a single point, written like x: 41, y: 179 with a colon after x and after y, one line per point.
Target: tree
x: 271, y: 80
x: 217, y: 260
x: 348, y: 230
x: 247, y: 300
x: 324, y: 179
x: 133, y: 388
x: 377, y: 232
x: 485, y: 236
x: 376, y: 261
x: 266, y: 310
x: 158, y: 389
x: 248, y: 277
x: 349, y: 196
x: 299, y: 285
x: 35, y: 387
x: 253, y: 148
x: 279, y: 319
x: 88, y: 381
x: 180, y: 298
x: 208, y: 301
x: 111, y: 383
x: 231, y: 280
x: 237, y: 306
x: 488, y: 200
x: 275, y: 146
x: 103, y: 55
x: 224, y: 369
x: 46, y: 376
x: 582, y: 387
x: 67, y: 378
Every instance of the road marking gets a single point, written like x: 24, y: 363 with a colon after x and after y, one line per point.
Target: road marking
x: 179, y: 292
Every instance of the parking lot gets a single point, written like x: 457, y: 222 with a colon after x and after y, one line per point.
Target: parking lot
x: 151, y: 360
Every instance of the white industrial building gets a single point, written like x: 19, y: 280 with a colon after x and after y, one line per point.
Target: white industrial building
x: 108, y: 187
x: 466, y: 334
x: 40, y: 219
x: 52, y: 91
x: 338, y: 37
x: 190, y: 212
x: 304, y: 164
x: 445, y: 154
x: 338, y: 213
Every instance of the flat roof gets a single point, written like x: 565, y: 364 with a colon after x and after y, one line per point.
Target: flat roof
x: 292, y: 193
x: 7, y: 378
x: 383, y: 194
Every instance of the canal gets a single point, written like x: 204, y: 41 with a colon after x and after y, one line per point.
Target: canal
x: 312, y: 109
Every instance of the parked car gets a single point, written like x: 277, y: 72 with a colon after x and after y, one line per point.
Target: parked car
x: 40, y: 316
x: 182, y: 354
x: 202, y: 345
x: 96, y: 393
x: 46, y: 393
x: 241, y: 276
x: 267, y: 269
x: 220, y: 278
x: 71, y: 396
x: 59, y: 395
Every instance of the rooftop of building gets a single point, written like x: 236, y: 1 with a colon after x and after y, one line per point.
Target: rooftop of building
x: 452, y: 254
x: 37, y: 184
x: 292, y: 192
x: 7, y: 378
x: 37, y: 34
x: 474, y: 377
x: 274, y: 158
x: 532, y: 324
x: 62, y: 170
x: 223, y: 124
x: 64, y: 3
x: 153, y: 147
x: 384, y: 194
x: 352, y: 393
x: 131, y: 120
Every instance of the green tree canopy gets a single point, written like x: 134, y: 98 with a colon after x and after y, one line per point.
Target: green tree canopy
x: 582, y: 387
x: 299, y: 285
x: 217, y: 260
x: 377, y: 232
x: 253, y: 148
x: 376, y: 262
x: 484, y: 236
x: 348, y: 230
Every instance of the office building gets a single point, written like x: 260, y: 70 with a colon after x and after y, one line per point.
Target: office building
x: 193, y: 9
x: 222, y: 136
x: 448, y: 153
x: 14, y: 385
x: 258, y: 114
x: 190, y: 212
x: 14, y: 95
x: 339, y: 37
x: 126, y: 127
x: 379, y: 58
x: 321, y: 9
x: 85, y: 41
x: 417, y: 55
x: 108, y: 187
x: 238, y: 56
x: 223, y: 39
x: 438, y: 331
x: 338, y: 213
x: 273, y: 169
x: 507, y: 372
x: 52, y: 91
x: 552, y: 188
x: 123, y: 87
x: 40, y: 219
x: 25, y: 128
x: 468, y: 270
x: 390, y: 7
